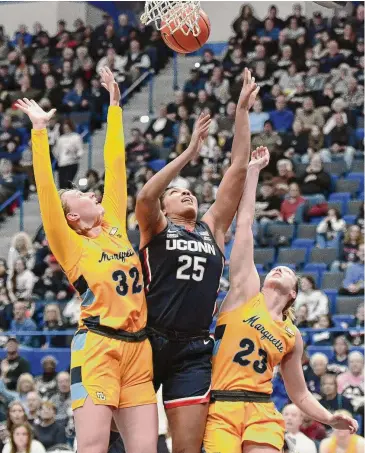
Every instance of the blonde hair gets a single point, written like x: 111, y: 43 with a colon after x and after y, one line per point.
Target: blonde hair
x: 360, y: 239
x: 54, y: 307
x: 289, y: 311
x: 22, y: 236
x: 23, y: 378
x: 65, y: 206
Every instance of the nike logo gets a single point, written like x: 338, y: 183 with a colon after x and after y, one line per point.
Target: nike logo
x: 172, y: 231
x: 206, y: 342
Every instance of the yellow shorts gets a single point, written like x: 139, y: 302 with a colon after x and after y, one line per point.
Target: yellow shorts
x: 229, y: 424
x: 112, y: 372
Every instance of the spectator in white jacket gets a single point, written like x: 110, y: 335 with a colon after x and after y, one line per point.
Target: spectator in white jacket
x: 315, y: 300
x: 21, y: 247
x: 295, y: 438
x: 20, y: 284
x: 68, y: 150
x: 329, y: 230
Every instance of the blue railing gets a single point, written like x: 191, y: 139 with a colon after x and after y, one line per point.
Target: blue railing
x: 18, y: 195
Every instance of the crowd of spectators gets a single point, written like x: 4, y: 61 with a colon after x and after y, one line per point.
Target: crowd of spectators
x: 309, y: 114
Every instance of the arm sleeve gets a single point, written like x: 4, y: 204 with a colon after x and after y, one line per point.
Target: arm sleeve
x: 115, y: 191
x: 66, y: 245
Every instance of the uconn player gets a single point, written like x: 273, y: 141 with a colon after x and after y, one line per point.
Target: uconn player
x: 182, y: 262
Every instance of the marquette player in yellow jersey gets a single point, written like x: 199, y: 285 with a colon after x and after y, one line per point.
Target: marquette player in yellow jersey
x: 255, y: 333
x: 111, y: 360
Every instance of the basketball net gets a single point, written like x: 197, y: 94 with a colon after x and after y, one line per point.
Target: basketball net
x: 176, y: 15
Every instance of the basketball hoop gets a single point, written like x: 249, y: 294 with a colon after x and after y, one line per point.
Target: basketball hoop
x: 183, y: 15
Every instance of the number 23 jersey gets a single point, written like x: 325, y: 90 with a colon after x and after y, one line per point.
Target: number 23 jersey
x: 248, y: 346
x: 182, y: 271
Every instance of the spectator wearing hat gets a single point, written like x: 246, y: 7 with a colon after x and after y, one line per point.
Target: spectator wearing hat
x: 13, y: 365
x: 48, y: 431
x: 46, y: 383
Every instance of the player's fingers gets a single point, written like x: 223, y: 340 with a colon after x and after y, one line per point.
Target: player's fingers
x: 253, y: 87
x: 256, y: 91
x: 245, y: 76
x: 27, y: 101
x: 104, y: 85
x: 34, y: 103
x: 21, y: 107
x: 109, y: 72
x: 249, y: 76
x: 51, y: 113
x: 21, y: 103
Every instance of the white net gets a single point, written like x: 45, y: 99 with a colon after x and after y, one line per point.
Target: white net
x: 183, y: 14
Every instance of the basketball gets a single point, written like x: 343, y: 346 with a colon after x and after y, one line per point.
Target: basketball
x: 181, y: 43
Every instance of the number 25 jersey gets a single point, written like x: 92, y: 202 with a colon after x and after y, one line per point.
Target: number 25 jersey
x: 248, y: 346
x: 182, y: 271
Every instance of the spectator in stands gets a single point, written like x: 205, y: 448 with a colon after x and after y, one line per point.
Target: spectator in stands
x: 194, y: 84
x: 218, y: 86
x: 354, y: 95
x: 207, y: 64
x: 62, y: 398
x: 20, y: 284
x: 267, y: 204
x: 351, y: 383
x: 330, y: 398
x: 21, y: 247
x: 21, y: 440
x: 301, y: 315
x: 315, y: 299
x: 293, y: 419
x: 338, y: 140
x: 316, y: 369
x: 47, y: 383
x: 360, y: 219
x: 341, y: 440
x: 309, y: 116
x: 291, y: 203
x: 24, y: 35
x: 4, y: 435
x: 295, y: 142
x: 21, y: 323
x: 349, y: 248
x: 68, y: 150
x: 48, y: 431
x: 162, y: 125
x: 330, y: 229
x: 288, y: 82
x: 282, y: 118
x: 53, y: 322
x: 339, y: 359
x: 25, y: 90
x: 137, y: 60
x: 315, y: 180
x: 285, y: 177
x: 353, y: 283
x: 16, y: 415
x: 33, y: 405
x: 324, y: 337
x: 13, y: 366
x: 77, y: 99
x: 358, y: 337
x: 333, y: 57
x: 25, y: 385
x: 257, y: 117
x: 268, y: 138
x: 246, y: 14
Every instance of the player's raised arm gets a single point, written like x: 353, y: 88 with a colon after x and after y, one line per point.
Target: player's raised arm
x: 148, y: 210
x: 296, y: 387
x: 220, y: 215
x: 115, y: 189
x: 65, y: 244
x: 244, y: 279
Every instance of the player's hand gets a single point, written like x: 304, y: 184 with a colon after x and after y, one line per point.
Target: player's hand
x: 344, y: 422
x: 249, y: 91
x: 260, y: 158
x: 201, y: 130
x: 37, y: 115
x: 109, y: 83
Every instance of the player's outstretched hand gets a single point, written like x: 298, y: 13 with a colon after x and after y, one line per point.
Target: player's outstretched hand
x: 201, y: 129
x: 344, y: 422
x: 260, y: 158
x: 109, y: 83
x: 249, y: 91
x: 37, y: 115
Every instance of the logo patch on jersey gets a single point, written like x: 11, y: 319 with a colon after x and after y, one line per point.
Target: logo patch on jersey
x: 265, y: 334
x: 113, y: 231
x: 100, y: 396
x: 205, y: 236
x: 289, y: 332
x: 191, y: 246
x: 172, y: 234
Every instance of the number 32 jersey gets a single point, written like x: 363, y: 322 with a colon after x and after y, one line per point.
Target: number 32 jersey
x: 248, y: 346
x: 182, y: 270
